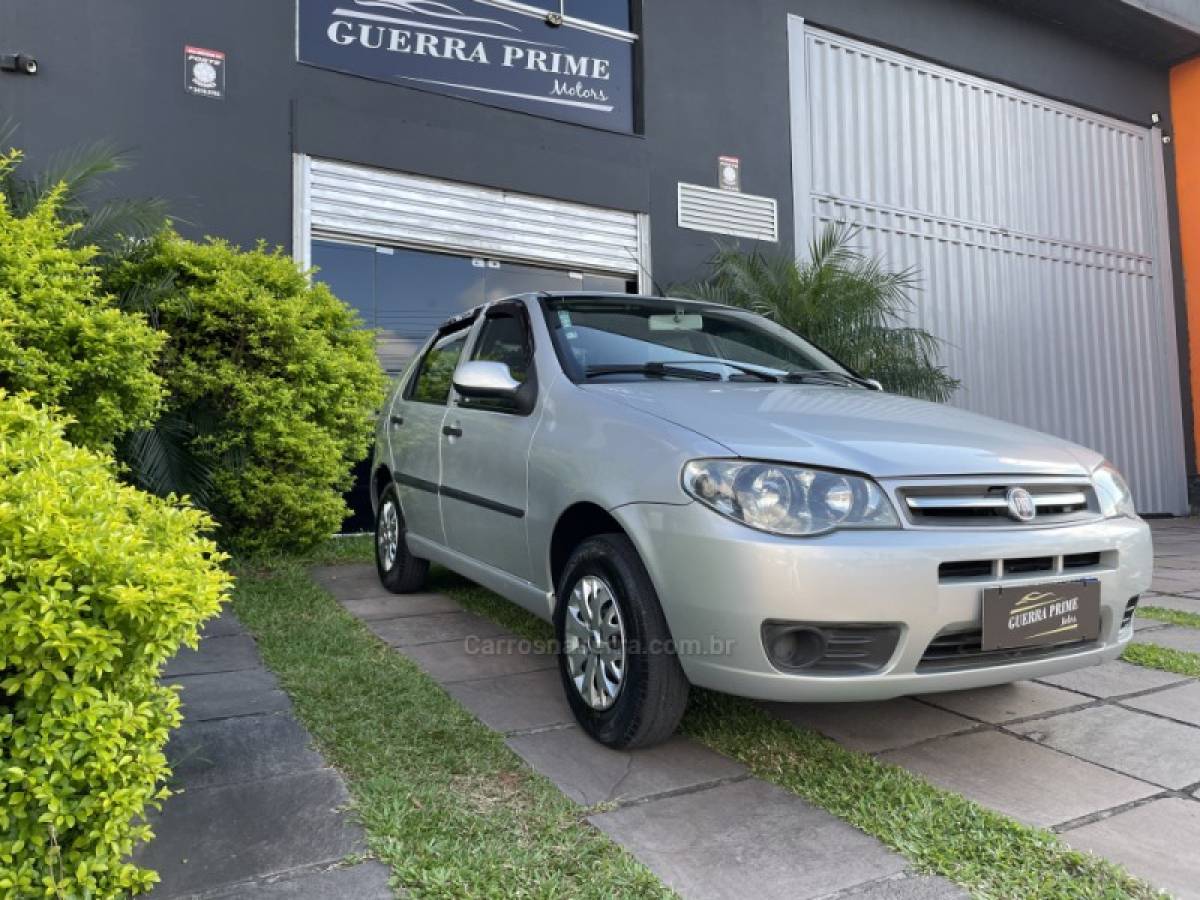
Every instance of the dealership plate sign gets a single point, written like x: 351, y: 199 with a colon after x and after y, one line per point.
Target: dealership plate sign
x: 501, y: 53
x: 1040, y: 615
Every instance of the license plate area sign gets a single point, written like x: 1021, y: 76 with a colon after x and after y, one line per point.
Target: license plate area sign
x: 1040, y: 615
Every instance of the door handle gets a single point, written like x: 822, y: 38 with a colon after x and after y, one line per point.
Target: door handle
x: 397, y: 420
x: 452, y: 431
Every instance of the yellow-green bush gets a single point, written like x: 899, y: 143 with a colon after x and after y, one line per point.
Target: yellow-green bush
x: 99, y: 585
x: 62, y: 338
x: 280, y: 376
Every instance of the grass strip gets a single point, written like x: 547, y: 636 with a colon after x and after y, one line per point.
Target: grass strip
x: 444, y: 802
x: 1172, y: 616
x: 1151, y: 656
x: 939, y: 831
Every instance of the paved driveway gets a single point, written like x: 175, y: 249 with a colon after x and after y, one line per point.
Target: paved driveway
x: 1108, y: 756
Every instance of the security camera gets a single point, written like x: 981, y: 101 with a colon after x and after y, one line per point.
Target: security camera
x: 18, y: 62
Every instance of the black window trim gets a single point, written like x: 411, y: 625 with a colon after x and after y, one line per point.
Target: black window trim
x: 463, y: 323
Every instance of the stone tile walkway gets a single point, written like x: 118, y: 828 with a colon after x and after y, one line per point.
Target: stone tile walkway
x: 1109, y: 757
x: 258, y: 813
x: 692, y: 816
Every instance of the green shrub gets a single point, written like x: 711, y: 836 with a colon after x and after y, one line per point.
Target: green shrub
x: 62, y: 338
x: 279, y: 378
x: 846, y: 303
x: 100, y: 584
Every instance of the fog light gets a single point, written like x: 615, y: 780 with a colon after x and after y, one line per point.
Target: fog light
x: 792, y: 647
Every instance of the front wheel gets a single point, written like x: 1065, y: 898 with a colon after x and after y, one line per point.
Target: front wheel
x: 399, y: 570
x: 618, y: 665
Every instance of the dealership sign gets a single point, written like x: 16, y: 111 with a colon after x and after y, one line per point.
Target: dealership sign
x: 498, y: 52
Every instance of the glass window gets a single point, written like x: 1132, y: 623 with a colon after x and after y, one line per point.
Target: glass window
x: 505, y: 339
x: 415, y: 292
x: 349, y: 270
x: 437, y: 369
x: 595, y: 333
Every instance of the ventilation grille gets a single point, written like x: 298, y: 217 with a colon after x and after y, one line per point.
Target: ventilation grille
x: 728, y: 212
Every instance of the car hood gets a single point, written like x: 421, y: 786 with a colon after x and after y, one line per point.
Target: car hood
x: 884, y: 435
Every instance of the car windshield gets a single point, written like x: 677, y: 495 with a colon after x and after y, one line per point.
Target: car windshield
x: 613, y: 339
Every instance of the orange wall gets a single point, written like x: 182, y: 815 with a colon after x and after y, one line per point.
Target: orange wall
x: 1185, y: 115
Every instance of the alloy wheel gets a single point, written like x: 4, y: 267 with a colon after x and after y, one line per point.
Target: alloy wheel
x: 389, y: 535
x: 595, y: 642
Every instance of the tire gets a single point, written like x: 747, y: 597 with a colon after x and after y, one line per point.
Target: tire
x: 650, y: 699
x: 399, y: 571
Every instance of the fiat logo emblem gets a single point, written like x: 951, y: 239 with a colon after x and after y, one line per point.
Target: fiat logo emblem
x: 1020, y: 504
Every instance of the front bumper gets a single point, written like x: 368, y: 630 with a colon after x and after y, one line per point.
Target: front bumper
x: 718, y: 581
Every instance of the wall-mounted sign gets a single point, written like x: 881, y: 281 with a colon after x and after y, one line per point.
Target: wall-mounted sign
x: 204, y: 72
x: 729, y: 173
x: 498, y: 52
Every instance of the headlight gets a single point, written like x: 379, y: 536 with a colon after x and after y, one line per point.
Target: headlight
x: 788, y: 500
x: 1114, y: 494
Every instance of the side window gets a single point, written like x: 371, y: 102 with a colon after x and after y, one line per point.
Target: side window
x: 432, y: 384
x: 504, y: 338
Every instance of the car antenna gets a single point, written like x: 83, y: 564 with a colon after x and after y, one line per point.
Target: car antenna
x: 658, y: 291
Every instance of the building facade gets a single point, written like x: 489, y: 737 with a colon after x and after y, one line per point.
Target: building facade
x: 427, y: 155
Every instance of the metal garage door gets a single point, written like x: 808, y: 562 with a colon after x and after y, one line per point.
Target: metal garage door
x: 343, y: 201
x: 1037, y: 229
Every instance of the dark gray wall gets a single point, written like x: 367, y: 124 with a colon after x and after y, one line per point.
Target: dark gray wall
x: 715, y: 83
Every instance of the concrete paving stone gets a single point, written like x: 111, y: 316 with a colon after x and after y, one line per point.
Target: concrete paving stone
x: 246, y: 748
x: 1176, y: 581
x: 435, y: 628
x: 1145, y: 623
x: 224, y: 625
x: 226, y: 835
x: 906, y: 887
x: 226, y: 694
x: 1032, y: 784
x: 1006, y: 702
x: 1173, y: 601
x: 216, y: 654
x: 1169, y: 563
x: 365, y: 881
x: 350, y: 582
x: 394, y: 606
x: 1155, y: 841
x: 1181, y: 702
x: 1176, y: 637
x: 1112, y: 679
x: 748, y: 839
x: 590, y: 773
x: 516, y: 702
x: 456, y: 661
x: 1155, y: 750
x: 872, y: 726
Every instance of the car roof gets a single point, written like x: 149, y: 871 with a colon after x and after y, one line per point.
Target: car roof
x: 614, y: 296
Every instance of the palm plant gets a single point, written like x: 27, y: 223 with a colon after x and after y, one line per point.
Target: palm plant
x: 846, y: 303
x: 112, y: 224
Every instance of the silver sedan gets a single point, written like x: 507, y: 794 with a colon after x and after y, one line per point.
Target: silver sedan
x: 696, y: 496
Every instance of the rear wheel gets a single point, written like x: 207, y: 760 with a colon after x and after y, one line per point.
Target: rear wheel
x: 618, y: 666
x: 399, y: 570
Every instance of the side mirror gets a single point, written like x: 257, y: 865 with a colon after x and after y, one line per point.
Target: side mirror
x: 482, y: 380
x: 874, y: 384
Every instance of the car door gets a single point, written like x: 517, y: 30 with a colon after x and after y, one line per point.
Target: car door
x: 485, y: 451
x: 415, y: 424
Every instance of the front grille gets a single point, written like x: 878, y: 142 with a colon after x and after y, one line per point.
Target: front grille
x: 964, y: 650
x: 984, y: 504
x: 991, y: 570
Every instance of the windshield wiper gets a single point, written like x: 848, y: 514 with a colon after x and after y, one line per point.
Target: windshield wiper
x: 744, y: 369
x: 826, y: 376
x: 651, y: 370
